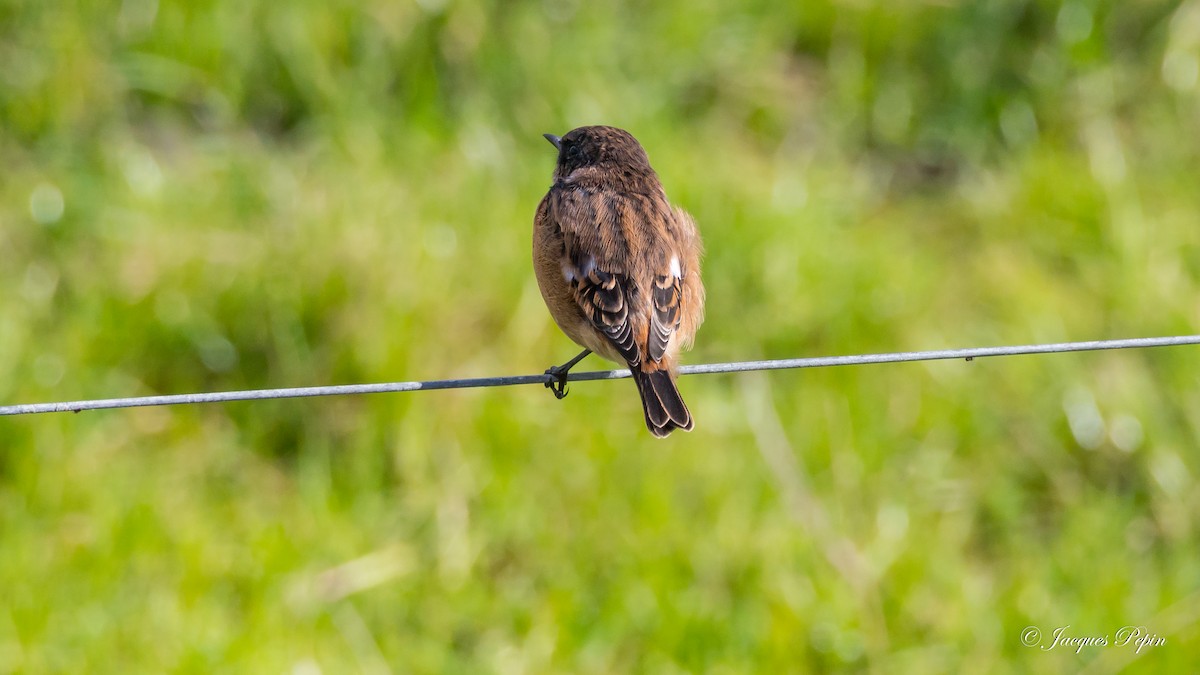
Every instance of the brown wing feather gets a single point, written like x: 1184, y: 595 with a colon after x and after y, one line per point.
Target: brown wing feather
x: 605, y: 300
x: 667, y: 296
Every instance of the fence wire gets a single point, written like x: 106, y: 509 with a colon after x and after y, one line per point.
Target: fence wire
x: 504, y: 381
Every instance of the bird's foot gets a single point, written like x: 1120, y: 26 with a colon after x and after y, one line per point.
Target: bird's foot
x: 558, y: 385
x: 557, y: 382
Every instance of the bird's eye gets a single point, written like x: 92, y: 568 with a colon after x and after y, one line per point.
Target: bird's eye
x: 574, y: 151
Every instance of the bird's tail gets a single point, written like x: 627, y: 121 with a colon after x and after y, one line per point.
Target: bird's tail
x: 664, y: 407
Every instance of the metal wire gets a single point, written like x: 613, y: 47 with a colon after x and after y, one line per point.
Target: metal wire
x: 779, y: 364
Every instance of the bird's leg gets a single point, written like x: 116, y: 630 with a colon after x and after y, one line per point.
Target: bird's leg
x: 558, y: 385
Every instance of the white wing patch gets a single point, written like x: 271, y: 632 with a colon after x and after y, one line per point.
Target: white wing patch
x: 675, y: 271
x: 570, y: 273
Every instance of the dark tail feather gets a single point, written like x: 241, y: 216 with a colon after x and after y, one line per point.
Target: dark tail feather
x: 664, y: 407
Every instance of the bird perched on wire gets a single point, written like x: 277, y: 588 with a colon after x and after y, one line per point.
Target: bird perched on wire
x: 619, y: 267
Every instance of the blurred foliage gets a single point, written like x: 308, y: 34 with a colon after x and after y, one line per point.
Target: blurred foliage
x: 216, y: 195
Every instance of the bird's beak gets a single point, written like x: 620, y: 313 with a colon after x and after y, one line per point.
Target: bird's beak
x: 556, y: 141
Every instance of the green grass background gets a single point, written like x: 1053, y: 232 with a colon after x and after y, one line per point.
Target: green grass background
x: 219, y: 195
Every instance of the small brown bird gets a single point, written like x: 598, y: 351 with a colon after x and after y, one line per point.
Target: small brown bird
x: 619, y: 267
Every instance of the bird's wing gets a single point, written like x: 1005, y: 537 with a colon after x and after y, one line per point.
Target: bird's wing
x: 596, y: 265
x: 666, y: 294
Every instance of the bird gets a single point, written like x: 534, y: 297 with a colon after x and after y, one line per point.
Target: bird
x: 619, y: 267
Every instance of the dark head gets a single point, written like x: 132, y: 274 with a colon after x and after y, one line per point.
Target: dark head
x: 606, y: 152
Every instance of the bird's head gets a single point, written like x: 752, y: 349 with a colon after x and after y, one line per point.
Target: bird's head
x: 604, y: 151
